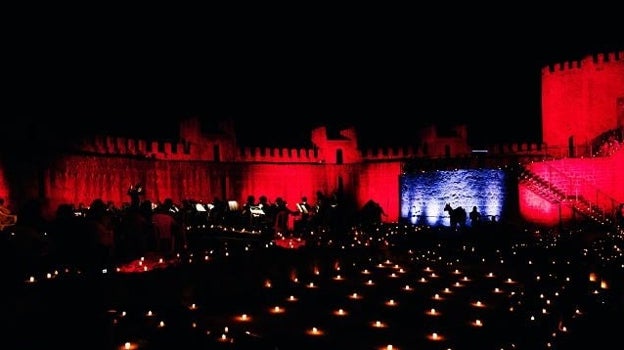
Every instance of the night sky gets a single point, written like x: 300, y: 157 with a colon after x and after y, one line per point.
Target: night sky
x: 278, y: 76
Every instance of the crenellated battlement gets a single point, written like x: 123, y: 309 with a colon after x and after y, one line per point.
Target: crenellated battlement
x: 579, y: 101
x: 122, y: 146
x: 394, y: 153
x: 597, y: 59
x: 277, y: 155
x: 218, y: 148
x: 517, y: 148
x: 391, y: 153
x: 431, y: 146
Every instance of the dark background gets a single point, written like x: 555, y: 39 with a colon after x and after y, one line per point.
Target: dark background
x: 280, y: 71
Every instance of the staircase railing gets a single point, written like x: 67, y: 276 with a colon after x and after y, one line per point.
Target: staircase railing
x: 575, y: 192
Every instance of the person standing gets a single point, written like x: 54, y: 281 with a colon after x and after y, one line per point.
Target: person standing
x: 475, y: 217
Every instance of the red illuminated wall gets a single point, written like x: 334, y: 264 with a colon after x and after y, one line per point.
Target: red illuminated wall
x: 4, y: 188
x: 202, y: 167
x: 580, y: 99
x: 537, y: 210
x: 81, y: 179
x: 379, y: 182
x: 598, y: 180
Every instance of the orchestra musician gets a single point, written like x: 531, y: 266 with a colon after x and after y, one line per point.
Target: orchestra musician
x: 135, y: 192
x: 306, y: 211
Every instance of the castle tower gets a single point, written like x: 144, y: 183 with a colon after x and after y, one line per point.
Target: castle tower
x: 582, y: 99
x: 342, y: 149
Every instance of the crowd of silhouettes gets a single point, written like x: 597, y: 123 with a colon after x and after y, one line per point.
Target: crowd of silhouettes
x: 101, y: 235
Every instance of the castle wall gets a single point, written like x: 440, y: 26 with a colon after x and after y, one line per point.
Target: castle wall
x: 580, y: 99
x: 598, y: 180
x: 535, y: 209
x: 380, y: 182
x: 4, y: 187
x: 80, y: 179
x: 294, y: 173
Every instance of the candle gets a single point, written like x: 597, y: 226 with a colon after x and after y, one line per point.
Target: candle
x: 315, y: 331
x: 477, y: 323
x: 224, y: 338
x: 389, y: 347
x: 433, y: 312
x: 277, y: 310
x: 340, y: 312
x: 478, y: 304
x: 435, y: 337
x: 378, y: 324
x: 391, y: 302
x: 129, y: 346
x: 243, y: 318
x: 355, y: 296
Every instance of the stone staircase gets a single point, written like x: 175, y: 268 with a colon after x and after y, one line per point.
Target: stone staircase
x: 556, y: 195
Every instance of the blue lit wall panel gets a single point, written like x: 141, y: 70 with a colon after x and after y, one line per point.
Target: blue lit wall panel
x: 424, y: 195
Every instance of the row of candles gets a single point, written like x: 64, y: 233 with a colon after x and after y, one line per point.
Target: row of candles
x: 433, y: 336
x: 439, y: 268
